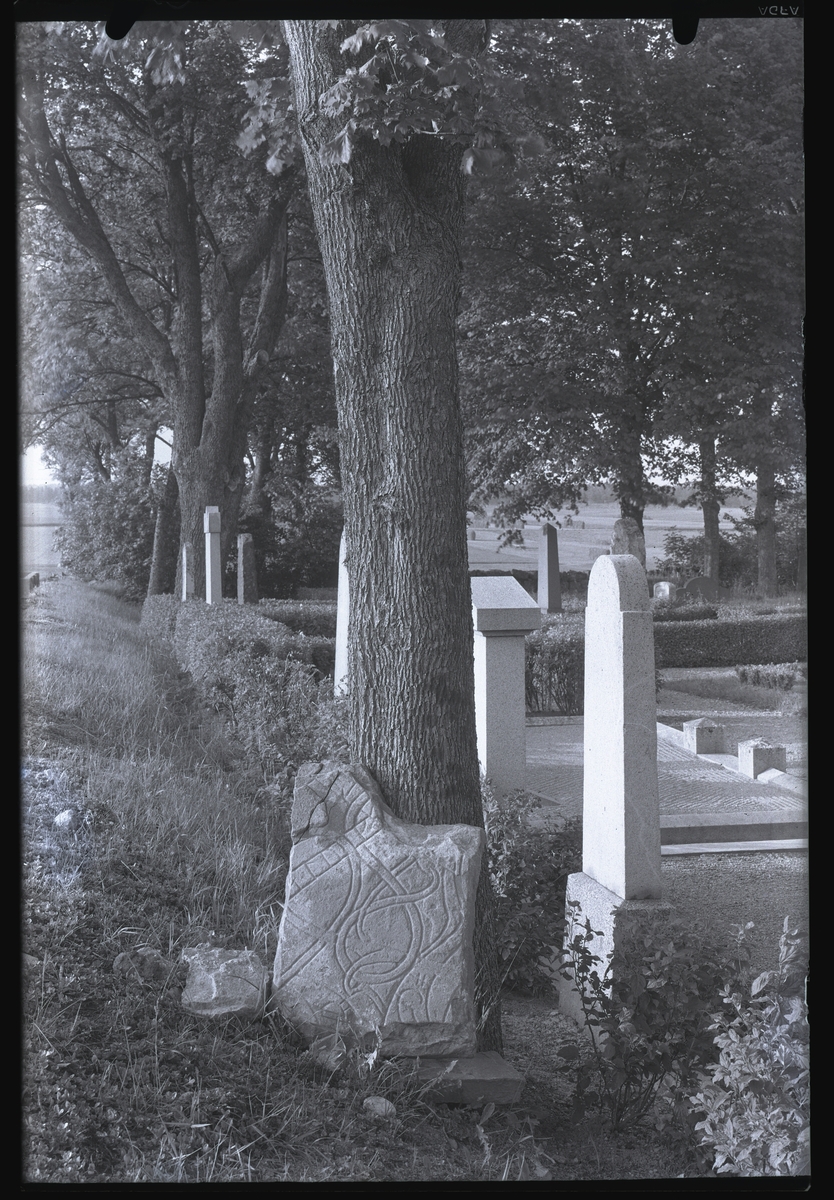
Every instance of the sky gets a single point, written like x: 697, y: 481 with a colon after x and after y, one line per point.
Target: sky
x: 34, y: 472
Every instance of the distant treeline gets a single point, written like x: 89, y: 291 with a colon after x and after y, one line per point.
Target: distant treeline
x: 41, y: 493
x: 602, y: 493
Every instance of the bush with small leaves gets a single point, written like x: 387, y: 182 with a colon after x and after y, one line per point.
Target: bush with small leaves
x: 529, y: 869
x: 159, y: 617
x: 555, y: 666
x: 266, y: 680
x: 648, y: 1015
x: 779, y: 676
x: 754, y: 1102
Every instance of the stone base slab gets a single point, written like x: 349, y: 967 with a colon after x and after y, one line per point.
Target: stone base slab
x: 602, y: 908
x: 486, y: 1078
x: 732, y: 827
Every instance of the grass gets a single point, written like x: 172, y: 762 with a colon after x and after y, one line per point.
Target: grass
x: 177, y: 843
x: 712, y: 686
x: 177, y: 840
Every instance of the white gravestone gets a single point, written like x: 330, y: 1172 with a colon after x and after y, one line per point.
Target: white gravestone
x: 187, y: 571
x: 621, y: 812
x: 340, y: 674
x: 503, y: 613
x: 211, y: 527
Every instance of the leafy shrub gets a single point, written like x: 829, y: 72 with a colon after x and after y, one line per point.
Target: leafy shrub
x: 780, y: 638
x: 297, y: 541
x: 315, y: 618
x: 648, y: 1014
x: 781, y: 677
x: 685, y: 558
x: 555, y: 666
x: 738, y: 549
x: 529, y: 869
x: 108, y: 528
x: 266, y: 680
x: 664, y: 611
x: 159, y: 617
x: 755, y: 1100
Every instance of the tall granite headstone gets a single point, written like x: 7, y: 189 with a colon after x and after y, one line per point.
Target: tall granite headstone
x: 621, y: 810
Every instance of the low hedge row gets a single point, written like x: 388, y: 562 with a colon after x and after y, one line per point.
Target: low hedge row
x: 555, y: 665
x: 207, y: 634
x: 555, y: 654
x: 663, y: 611
x: 159, y: 617
x: 270, y: 682
x: 316, y: 618
x: 727, y: 643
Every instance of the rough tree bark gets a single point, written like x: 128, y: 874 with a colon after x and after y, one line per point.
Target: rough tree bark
x: 764, y: 514
x: 389, y: 225
x: 210, y: 430
x: 710, y: 506
x: 165, y: 540
x: 629, y: 485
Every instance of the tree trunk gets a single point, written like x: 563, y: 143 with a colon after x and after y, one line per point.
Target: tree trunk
x: 764, y: 519
x: 710, y: 507
x: 389, y: 224
x: 165, y: 540
x: 629, y: 485
x: 209, y: 455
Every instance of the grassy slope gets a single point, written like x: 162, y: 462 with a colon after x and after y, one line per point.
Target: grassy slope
x: 174, y: 842
x: 174, y: 845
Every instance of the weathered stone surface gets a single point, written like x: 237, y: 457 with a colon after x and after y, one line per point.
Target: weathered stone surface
x: 501, y: 605
x: 502, y: 615
x: 603, y: 909
x: 702, y: 586
x: 214, y: 579
x: 378, y: 1106
x: 376, y: 934
x: 627, y: 539
x: 704, y: 736
x: 70, y: 820
x: 224, y: 983
x: 663, y: 590
x: 549, y: 593
x: 340, y: 673
x: 482, y: 1079
x: 621, y: 807
x: 187, y: 571
x: 758, y: 755
x: 247, y: 581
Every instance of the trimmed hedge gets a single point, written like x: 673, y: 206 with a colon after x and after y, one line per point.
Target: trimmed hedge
x: 206, y: 634
x: 555, y: 654
x: 316, y: 618
x: 555, y: 665
x: 727, y: 643
x: 159, y: 617
x: 663, y: 611
x: 266, y: 680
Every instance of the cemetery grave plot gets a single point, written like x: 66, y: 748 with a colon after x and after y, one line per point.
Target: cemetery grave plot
x: 578, y: 546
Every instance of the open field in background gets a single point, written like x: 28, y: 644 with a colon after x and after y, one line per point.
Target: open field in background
x: 37, y: 525
x: 579, y: 548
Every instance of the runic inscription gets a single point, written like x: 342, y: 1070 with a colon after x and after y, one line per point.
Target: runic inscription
x: 376, y: 934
